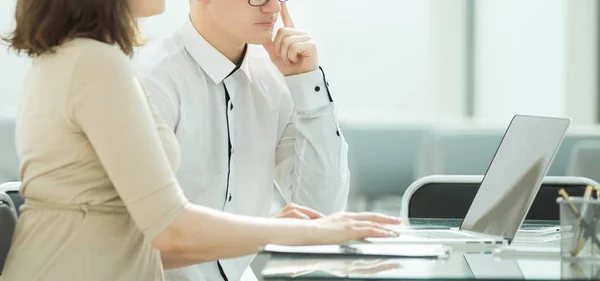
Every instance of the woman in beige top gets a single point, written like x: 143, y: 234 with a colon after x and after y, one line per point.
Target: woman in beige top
x: 101, y: 198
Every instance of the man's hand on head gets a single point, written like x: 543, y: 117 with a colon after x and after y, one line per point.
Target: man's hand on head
x: 295, y: 211
x: 293, y: 51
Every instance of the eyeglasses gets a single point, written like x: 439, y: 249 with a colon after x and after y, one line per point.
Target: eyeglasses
x: 258, y: 3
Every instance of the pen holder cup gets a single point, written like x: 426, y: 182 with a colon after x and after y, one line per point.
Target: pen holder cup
x: 580, y: 228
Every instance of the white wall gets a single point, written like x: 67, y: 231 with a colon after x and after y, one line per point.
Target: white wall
x: 581, y: 54
x: 12, y: 68
x: 166, y: 23
x: 395, y: 58
x: 535, y: 57
x: 405, y: 59
x: 519, y: 58
x: 400, y: 58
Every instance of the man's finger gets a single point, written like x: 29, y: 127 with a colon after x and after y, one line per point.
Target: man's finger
x: 293, y: 214
x: 285, y: 16
x: 299, y: 49
x: 286, y: 46
x: 270, y: 48
x: 282, y: 33
x: 309, y: 212
x: 300, y: 215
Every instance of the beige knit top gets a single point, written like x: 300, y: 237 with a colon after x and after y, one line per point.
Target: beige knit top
x: 97, y: 166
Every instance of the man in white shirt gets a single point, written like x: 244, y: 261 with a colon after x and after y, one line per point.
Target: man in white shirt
x: 248, y: 111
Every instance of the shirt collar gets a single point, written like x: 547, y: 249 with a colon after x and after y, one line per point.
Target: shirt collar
x: 216, y: 65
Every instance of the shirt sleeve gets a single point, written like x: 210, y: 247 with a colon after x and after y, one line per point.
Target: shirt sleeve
x: 108, y: 104
x: 311, y: 157
x: 158, y: 87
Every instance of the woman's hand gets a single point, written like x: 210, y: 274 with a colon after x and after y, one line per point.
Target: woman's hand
x: 344, y: 227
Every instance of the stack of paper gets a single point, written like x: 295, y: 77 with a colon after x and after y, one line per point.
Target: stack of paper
x: 376, y: 250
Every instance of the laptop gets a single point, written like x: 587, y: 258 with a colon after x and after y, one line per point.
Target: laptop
x: 507, y: 190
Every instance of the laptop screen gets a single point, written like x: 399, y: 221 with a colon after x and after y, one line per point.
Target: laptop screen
x: 515, y: 175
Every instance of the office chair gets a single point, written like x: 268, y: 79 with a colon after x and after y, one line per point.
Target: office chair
x: 465, y: 151
x: 9, y: 161
x: 560, y: 164
x: 585, y: 159
x: 450, y: 196
x: 8, y: 221
x: 468, y: 151
x: 12, y: 190
x: 382, y: 158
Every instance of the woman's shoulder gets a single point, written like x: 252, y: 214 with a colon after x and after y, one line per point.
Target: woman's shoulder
x: 93, y: 57
x: 93, y: 50
x: 90, y: 44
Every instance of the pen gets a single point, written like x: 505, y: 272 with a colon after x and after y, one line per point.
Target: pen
x: 578, y: 240
x: 577, y: 270
x: 586, y: 197
x: 565, y: 196
x: 589, y: 228
x: 589, y: 232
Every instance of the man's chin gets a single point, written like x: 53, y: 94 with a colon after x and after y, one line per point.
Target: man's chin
x: 260, y: 39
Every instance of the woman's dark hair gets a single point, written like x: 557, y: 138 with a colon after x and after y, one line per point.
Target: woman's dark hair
x: 42, y: 25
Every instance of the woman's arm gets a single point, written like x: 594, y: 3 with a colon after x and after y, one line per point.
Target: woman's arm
x: 200, y: 234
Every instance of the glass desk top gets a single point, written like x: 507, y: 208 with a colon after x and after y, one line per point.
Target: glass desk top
x: 453, y: 223
x: 460, y: 265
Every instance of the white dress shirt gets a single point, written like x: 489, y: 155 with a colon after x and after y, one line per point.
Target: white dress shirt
x: 266, y: 129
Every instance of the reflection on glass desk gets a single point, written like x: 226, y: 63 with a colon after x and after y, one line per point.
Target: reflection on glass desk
x: 454, y: 223
x: 460, y: 265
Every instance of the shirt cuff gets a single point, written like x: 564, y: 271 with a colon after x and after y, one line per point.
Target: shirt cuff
x: 309, y: 90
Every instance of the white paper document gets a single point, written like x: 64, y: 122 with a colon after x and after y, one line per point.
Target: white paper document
x: 379, y: 250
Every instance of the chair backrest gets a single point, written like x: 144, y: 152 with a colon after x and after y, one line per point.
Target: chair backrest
x: 12, y: 190
x: 561, y: 161
x: 469, y: 151
x: 458, y: 151
x: 450, y: 196
x: 8, y: 221
x: 382, y: 157
x: 585, y: 160
x: 9, y: 161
